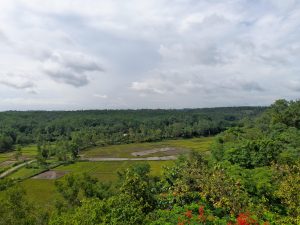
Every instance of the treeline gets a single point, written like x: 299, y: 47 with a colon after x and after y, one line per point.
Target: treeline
x: 104, y: 127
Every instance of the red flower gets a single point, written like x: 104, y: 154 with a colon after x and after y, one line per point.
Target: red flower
x: 180, y: 222
x: 188, y: 214
x: 201, y: 214
x: 245, y: 219
x: 201, y: 210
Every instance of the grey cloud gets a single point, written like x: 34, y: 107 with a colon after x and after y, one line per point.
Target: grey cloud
x: 210, y: 23
x: 235, y: 83
x: 71, y: 67
x: 19, y: 82
x: 76, y: 61
x: 252, y: 86
x: 192, y: 54
x: 294, y: 85
x: 2, y: 36
x: 68, y: 77
x: 24, y: 85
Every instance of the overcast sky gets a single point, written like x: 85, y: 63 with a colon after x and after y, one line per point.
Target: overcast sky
x: 92, y: 54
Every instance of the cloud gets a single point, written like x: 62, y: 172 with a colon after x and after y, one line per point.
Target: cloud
x: 192, y: 54
x: 70, y: 67
x: 150, y: 86
x: 168, y: 84
x: 100, y: 96
x: 77, y: 61
x: 251, y: 86
x: 18, y: 82
x: 294, y: 85
x: 67, y: 76
x: 3, y: 37
x: 25, y: 85
x: 155, y: 54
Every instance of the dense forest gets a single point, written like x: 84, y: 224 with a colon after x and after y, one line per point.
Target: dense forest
x: 250, y: 177
x: 103, y: 127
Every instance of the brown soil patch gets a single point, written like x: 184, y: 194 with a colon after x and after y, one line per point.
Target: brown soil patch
x: 8, y: 163
x: 50, y: 175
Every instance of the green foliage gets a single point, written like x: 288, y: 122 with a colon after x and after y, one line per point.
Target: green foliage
x: 251, y: 177
x: 6, y: 143
x: 121, y: 209
x: 69, y: 188
x: 74, y: 187
x: 266, y: 162
x: 15, y: 209
x: 288, y: 191
x: 83, y: 129
x: 5, y: 183
x: 285, y: 112
x: 93, y: 188
x: 273, y: 138
x: 251, y: 154
x: 137, y: 184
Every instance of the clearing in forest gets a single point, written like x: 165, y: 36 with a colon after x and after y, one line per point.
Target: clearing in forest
x: 152, y: 149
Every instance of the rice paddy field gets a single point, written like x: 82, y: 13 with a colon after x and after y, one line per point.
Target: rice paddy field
x: 25, y: 172
x: 196, y: 144
x: 41, y: 189
x: 29, y: 151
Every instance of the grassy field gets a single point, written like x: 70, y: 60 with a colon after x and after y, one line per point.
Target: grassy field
x: 29, y: 151
x: 42, y: 191
x: 107, y: 171
x: 182, y: 145
x: 197, y: 144
x: 7, y: 161
x: 5, y: 156
x: 24, y: 173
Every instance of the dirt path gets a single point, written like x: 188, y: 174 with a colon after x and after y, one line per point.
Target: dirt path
x: 11, y: 170
x: 163, y: 158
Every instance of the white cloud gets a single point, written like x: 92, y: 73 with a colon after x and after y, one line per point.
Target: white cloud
x: 100, y: 96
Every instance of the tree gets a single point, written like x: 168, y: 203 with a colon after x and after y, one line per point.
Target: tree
x: 288, y: 190
x: 121, y: 209
x: 69, y: 188
x: 137, y: 184
x: 18, y: 153
x: 6, y: 143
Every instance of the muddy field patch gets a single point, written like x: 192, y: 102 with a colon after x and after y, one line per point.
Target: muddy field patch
x: 50, y: 175
x: 7, y: 163
x: 167, y: 150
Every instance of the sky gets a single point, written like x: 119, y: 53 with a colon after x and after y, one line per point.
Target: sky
x: 100, y: 54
